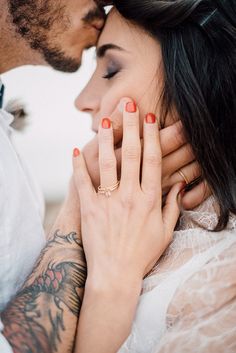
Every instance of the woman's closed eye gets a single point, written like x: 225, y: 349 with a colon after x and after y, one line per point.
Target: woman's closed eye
x: 111, y: 70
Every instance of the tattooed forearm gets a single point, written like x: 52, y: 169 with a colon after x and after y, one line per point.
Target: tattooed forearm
x: 43, y: 316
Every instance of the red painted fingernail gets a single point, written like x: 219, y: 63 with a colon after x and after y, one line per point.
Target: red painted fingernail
x: 76, y: 152
x: 150, y: 118
x: 106, y: 123
x: 131, y: 107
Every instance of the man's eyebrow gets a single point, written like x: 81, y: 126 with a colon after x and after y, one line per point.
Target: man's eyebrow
x: 101, y: 51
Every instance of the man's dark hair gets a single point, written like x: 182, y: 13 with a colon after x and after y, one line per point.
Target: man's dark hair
x: 104, y: 2
x: 198, y: 40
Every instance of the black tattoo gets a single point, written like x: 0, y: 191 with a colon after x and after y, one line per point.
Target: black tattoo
x: 35, y: 320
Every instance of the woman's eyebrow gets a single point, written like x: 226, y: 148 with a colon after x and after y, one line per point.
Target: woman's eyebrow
x: 101, y: 51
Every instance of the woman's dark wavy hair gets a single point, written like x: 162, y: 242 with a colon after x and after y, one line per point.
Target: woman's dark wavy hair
x: 198, y: 40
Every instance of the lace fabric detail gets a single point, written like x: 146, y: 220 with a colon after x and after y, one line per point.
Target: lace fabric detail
x: 196, y: 287
x: 194, y: 235
x: 202, y: 315
x: 204, y: 216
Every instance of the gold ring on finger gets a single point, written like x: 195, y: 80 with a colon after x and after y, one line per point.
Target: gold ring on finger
x: 181, y: 173
x: 108, y: 189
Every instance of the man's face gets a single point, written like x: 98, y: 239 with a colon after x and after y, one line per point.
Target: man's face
x: 58, y: 29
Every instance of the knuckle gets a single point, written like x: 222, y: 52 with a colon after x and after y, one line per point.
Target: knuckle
x: 131, y: 122
x: 178, y: 132
x: 188, y: 152
x: 151, y: 200
x: 106, y: 137
x: 108, y: 163
x: 176, y: 135
x: 127, y: 200
x: 153, y: 159
x: 83, y: 180
x: 178, y: 141
x: 131, y: 152
x: 150, y: 133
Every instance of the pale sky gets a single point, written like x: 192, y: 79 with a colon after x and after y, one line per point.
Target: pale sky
x: 54, y: 126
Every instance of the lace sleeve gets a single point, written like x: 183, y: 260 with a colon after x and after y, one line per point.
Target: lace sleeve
x: 202, y: 315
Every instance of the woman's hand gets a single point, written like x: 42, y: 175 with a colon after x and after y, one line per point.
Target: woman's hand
x: 129, y: 228
x: 124, y: 230
x: 177, y: 158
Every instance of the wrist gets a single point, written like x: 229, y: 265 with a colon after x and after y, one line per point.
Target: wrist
x: 68, y: 219
x: 122, y: 286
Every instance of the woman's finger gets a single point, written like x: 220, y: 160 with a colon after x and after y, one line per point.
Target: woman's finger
x: 172, y: 138
x: 131, y: 148
x: 90, y: 154
x: 107, y: 158
x: 188, y: 173
x: 176, y: 160
x: 82, y: 179
x: 196, y: 196
x: 152, y: 157
x: 171, y: 210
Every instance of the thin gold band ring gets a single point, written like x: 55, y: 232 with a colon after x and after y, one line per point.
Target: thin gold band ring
x: 183, y: 176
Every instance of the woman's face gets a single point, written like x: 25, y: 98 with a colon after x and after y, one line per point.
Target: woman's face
x: 128, y: 65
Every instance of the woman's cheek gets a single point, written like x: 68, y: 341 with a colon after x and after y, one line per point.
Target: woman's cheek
x: 108, y: 107
x: 126, y: 86
x: 111, y: 99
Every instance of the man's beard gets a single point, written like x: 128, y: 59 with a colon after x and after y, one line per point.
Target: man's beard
x: 33, y: 20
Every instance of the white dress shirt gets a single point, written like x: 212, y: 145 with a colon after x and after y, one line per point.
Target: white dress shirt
x: 21, y: 228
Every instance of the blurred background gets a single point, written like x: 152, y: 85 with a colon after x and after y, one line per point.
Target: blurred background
x: 53, y: 126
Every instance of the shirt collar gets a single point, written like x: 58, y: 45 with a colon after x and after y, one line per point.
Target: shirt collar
x: 1, y: 93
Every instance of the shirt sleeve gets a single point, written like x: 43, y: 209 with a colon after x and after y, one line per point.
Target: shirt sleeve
x: 4, y: 345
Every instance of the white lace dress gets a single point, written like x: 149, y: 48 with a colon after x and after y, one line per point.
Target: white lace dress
x: 188, y: 303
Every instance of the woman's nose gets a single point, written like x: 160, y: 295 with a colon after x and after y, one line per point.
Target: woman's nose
x: 82, y: 104
x: 87, y: 102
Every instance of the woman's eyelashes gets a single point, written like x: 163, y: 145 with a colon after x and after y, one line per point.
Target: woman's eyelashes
x: 111, y: 70
x: 110, y: 74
